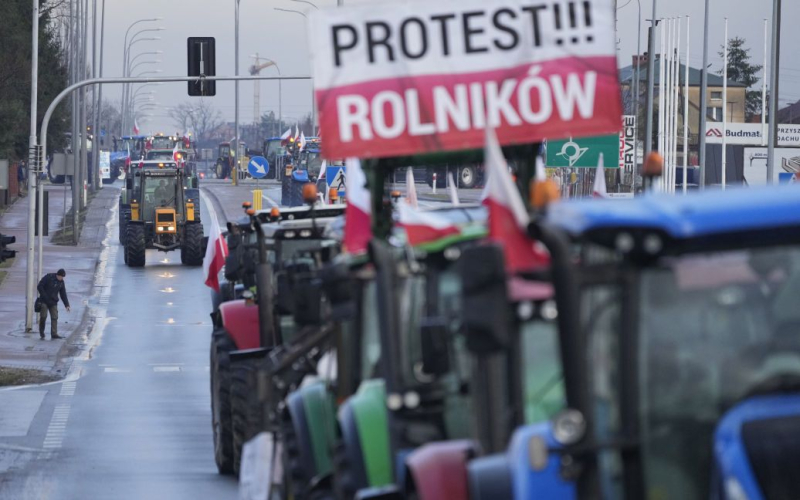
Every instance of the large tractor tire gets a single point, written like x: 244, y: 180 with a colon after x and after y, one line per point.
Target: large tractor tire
x: 192, y: 248
x: 248, y: 413
x: 134, y: 245
x: 467, y: 177
x: 221, y: 415
x: 123, y: 225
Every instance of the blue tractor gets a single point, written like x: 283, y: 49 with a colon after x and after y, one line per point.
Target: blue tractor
x: 679, y: 349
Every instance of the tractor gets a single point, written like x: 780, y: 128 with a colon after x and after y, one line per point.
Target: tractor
x: 162, y: 217
x: 226, y: 160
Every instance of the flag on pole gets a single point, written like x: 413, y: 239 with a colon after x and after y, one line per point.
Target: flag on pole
x: 423, y: 227
x: 302, y: 140
x: 358, y: 214
x: 285, y: 136
x: 600, y: 180
x: 135, y: 127
x: 216, y: 252
x: 508, y: 220
x: 453, y: 191
x: 296, y: 132
x: 411, y: 188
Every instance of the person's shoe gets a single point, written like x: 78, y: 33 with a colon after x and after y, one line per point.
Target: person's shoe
x: 41, y: 336
x: 56, y: 337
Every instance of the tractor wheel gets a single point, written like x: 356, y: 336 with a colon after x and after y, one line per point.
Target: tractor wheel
x: 134, y: 245
x: 123, y: 227
x: 221, y: 416
x: 192, y: 248
x: 467, y: 177
x: 248, y: 414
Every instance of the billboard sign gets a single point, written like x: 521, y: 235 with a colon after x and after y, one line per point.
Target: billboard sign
x: 393, y: 79
x: 627, y: 144
x: 584, y: 152
x: 105, y: 164
x: 750, y: 134
x: 787, y: 164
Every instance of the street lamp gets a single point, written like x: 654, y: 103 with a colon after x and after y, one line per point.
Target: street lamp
x: 307, y: 2
x: 125, y: 53
x: 155, y: 61
x: 126, y: 87
x: 140, y: 54
x: 280, y: 100
x: 291, y: 10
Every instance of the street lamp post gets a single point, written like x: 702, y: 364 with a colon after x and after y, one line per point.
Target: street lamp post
x: 32, y: 145
x: 280, y: 99
x: 126, y: 61
x: 704, y: 100
x: 773, y: 95
x: 235, y: 166
x: 651, y: 73
x: 313, y: 104
x: 125, y: 64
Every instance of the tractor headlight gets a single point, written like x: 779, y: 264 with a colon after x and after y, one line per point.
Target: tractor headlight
x: 160, y: 229
x: 171, y: 228
x: 569, y: 427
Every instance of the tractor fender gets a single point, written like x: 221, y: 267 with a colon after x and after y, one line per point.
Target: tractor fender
x: 439, y: 470
x: 364, y: 422
x: 241, y: 322
x: 314, y: 422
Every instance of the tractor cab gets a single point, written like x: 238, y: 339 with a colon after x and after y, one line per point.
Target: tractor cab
x: 682, y: 374
x: 226, y: 158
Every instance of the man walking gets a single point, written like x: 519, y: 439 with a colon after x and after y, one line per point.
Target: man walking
x: 51, y: 287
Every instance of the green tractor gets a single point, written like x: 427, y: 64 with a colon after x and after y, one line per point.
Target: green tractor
x: 162, y: 217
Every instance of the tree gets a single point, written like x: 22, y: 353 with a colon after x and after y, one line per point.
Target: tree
x: 15, y: 78
x: 198, y: 117
x: 740, y: 70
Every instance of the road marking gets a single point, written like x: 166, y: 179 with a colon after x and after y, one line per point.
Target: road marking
x: 113, y: 369
x: 54, y: 438
x: 68, y: 389
x: 17, y: 411
x: 269, y: 200
x: 166, y: 368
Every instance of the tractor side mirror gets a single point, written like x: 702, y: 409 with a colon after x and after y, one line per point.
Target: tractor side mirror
x: 486, y: 315
x: 129, y: 182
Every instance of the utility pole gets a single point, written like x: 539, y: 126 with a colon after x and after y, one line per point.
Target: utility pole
x: 235, y: 167
x: 704, y: 100
x: 651, y: 73
x: 773, y: 95
x: 95, y: 113
x: 33, y: 176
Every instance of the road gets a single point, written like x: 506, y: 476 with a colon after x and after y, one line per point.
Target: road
x: 132, y: 419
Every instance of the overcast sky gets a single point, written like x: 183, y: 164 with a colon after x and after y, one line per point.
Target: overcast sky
x: 281, y: 36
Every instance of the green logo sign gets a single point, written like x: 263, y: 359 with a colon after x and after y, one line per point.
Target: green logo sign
x: 584, y: 152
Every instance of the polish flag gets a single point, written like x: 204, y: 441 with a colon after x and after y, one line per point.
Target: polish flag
x: 296, y: 132
x: 600, y: 180
x: 423, y: 227
x: 216, y: 252
x: 411, y: 188
x: 176, y: 153
x: 302, y: 140
x: 508, y: 219
x: 358, y: 214
x: 285, y: 136
x: 135, y: 127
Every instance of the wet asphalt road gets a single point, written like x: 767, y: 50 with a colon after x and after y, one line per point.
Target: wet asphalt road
x: 132, y: 420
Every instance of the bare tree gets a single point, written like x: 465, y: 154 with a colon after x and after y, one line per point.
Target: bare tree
x: 198, y: 117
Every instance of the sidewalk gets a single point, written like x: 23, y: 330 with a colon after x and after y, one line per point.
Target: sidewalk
x: 25, y: 350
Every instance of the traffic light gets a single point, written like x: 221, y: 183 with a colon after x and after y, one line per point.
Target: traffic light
x: 4, y: 252
x: 201, y: 63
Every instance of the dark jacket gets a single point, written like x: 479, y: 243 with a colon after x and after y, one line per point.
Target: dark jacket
x: 50, y: 288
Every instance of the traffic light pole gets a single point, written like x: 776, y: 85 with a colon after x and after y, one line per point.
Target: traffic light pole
x: 39, y: 152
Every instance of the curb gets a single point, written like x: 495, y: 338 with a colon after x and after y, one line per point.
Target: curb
x: 217, y: 205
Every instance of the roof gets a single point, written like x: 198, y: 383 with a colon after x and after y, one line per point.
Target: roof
x: 686, y: 217
x: 628, y: 74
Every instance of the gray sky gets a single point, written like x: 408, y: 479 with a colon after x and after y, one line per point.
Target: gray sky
x: 282, y: 37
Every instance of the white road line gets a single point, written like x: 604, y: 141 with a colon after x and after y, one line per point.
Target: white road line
x: 111, y: 369
x: 269, y: 200
x: 166, y: 368
x: 68, y: 389
x: 54, y: 438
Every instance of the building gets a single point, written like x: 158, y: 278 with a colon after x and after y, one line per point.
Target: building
x: 790, y: 114
x: 736, y: 105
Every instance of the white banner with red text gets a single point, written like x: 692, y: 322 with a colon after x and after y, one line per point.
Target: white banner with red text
x: 402, y: 78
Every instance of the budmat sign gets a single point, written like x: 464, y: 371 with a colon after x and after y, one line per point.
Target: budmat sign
x: 410, y: 77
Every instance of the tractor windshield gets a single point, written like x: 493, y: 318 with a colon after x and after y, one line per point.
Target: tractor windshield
x: 713, y: 330
x: 160, y: 191
x: 543, y: 382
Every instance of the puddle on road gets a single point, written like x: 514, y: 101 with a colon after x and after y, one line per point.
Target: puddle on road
x: 168, y: 289
x: 166, y: 275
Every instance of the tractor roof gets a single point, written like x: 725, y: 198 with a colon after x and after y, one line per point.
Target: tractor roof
x: 297, y: 229
x: 692, y: 217
x: 303, y: 212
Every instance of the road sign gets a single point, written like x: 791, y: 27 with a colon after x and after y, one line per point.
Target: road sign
x: 390, y: 81
x: 105, y: 164
x: 584, y: 152
x: 201, y: 60
x: 336, y: 178
x: 258, y: 167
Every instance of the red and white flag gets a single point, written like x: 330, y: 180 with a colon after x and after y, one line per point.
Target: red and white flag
x: 302, y: 140
x: 176, y: 155
x: 411, y: 188
x: 422, y: 227
x: 135, y: 127
x: 358, y: 214
x: 216, y: 252
x: 296, y: 132
x: 600, y: 180
x: 508, y: 219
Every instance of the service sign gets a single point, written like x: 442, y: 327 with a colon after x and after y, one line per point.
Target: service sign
x: 627, y: 144
x: 404, y: 78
